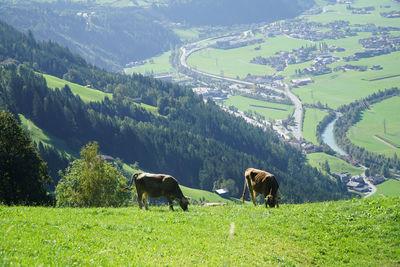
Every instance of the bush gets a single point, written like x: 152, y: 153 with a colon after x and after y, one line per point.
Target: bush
x: 91, y: 182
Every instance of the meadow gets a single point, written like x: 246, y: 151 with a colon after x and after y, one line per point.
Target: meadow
x: 379, y: 116
x: 154, y: 65
x: 358, y: 232
x: 312, y: 117
x: 390, y: 187
x: 87, y: 94
x: 340, y: 88
x: 271, y: 111
x: 336, y: 164
x: 339, y: 12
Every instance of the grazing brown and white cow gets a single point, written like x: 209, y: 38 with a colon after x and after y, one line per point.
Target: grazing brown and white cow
x: 262, y: 182
x: 157, y: 185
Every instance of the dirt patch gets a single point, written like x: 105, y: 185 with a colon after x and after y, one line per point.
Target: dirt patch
x: 383, y: 141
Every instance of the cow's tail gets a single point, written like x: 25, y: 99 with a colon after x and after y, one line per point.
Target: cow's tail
x: 244, y: 191
x: 133, y: 179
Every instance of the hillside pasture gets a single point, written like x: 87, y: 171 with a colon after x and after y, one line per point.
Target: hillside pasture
x: 87, y: 94
x: 38, y: 135
x: 271, y: 111
x: 311, y: 119
x: 336, y: 164
x: 374, y: 120
x: 154, y: 65
x: 353, y: 233
x: 390, y: 187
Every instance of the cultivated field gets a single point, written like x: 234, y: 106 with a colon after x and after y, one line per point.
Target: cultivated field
x: 336, y: 165
x: 271, y: 111
x: 353, y: 233
x: 340, y: 88
x: 381, y: 115
x: 311, y: 119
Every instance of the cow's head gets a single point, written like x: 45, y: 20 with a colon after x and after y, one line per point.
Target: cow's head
x: 272, y: 201
x: 184, y: 202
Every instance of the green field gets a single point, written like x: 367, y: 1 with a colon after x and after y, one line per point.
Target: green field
x: 340, y: 88
x: 339, y: 12
x: 380, y: 115
x: 271, y: 111
x: 159, y: 64
x: 389, y: 188
x: 311, y: 119
x: 236, y: 62
x: 87, y: 94
x: 362, y: 232
x: 335, y: 164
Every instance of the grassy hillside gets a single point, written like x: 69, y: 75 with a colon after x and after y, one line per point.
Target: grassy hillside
x: 374, y: 121
x: 354, y: 233
x: 87, y: 94
x: 154, y: 65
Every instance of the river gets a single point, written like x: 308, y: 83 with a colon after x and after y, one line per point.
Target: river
x: 328, y: 137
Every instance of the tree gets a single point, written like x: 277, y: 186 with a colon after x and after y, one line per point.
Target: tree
x: 23, y: 174
x: 91, y: 182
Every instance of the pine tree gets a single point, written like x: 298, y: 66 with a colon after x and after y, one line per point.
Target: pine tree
x: 23, y: 174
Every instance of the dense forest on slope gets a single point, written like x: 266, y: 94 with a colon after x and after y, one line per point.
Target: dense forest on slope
x: 195, y: 141
x: 230, y: 12
x: 108, y: 37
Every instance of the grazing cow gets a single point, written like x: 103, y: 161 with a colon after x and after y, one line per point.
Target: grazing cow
x: 157, y: 185
x: 261, y: 182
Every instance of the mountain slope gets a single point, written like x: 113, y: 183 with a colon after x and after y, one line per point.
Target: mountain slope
x: 195, y: 141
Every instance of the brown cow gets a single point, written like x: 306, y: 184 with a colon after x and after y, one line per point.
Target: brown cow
x: 157, y: 185
x: 261, y: 182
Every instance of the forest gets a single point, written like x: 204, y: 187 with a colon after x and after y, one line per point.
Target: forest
x: 189, y: 138
x: 93, y: 31
x: 230, y: 12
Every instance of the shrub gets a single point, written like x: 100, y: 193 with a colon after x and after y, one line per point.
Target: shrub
x: 91, y: 182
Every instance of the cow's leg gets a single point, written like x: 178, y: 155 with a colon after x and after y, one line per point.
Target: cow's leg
x: 171, y: 205
x: 144, y: 198
x: 251, y: 191
x: 139, y: 198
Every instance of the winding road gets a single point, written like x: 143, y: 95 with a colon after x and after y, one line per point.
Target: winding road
x: 298, y: 112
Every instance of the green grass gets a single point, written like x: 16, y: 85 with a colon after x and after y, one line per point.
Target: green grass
x: 160, y: 65
x: 311, y: 119
x: 39, y: 135
x: 272, y: 111
x: 335, y: 164
x: 339, y: 88
x: 202, y: 195
x: 87, y: 94
x: 339, y: 12
x: 190, y: 34
x: 372, y: 123
x: 236, y: 62
x: 389, y: 188
x: 362, y: 232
